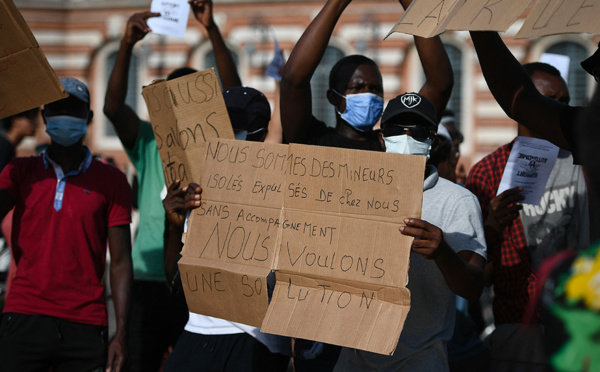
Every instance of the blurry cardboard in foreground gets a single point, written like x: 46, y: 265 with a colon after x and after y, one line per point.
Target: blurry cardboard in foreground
x: 26, y: 78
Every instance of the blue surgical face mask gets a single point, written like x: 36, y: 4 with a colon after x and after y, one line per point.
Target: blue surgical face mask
x: 363, y: 110
x: 66, y: 130
x: 405, y: 144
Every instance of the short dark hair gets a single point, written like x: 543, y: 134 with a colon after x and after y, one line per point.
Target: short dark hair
x: 29, y: 114
x: 534, y: 67
x: 182, y: 71
x: 341, y: 75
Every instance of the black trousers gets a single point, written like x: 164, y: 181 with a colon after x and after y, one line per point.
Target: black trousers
x: 31, y: 343
x: 238, y: 352
x: 157, y: 319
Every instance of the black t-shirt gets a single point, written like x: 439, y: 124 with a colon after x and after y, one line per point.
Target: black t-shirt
x: 322, y: 135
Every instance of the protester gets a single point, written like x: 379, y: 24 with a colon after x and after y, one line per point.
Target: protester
x: 356, y: 93
x: 466, y: 351
x: 521, y: 236
x: 208, y: 343
x: 447, y: 257
x: 157, y: 318
x: 355, y: 86
x: 550, y: 119
x: 67, y: 207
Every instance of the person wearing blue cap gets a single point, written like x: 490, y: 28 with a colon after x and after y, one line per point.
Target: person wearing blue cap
x: 67, y: 207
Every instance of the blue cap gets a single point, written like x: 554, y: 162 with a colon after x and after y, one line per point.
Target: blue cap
x: 76, y: 89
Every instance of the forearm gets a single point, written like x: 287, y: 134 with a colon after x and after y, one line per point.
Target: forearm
x: 173, y: 247
x: 227, y: 69
x: 121, y: 276
x: 439, y: 77
x: 463, y: 278
x: 116, y: 91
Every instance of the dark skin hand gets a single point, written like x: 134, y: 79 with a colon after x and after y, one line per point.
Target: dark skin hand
x: 177, y: 203
x: 502, y: 211
x: 463, y: 271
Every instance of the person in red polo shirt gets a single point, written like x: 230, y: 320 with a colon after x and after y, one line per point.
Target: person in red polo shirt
x: 67, y: 207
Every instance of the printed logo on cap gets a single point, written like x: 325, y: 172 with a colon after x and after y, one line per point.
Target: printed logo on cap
x: 410, y: 100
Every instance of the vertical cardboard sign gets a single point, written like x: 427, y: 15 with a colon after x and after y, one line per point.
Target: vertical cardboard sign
x: 26, y: 78
x: 487, y: 15
x: 232, y: 239
x: 185, y: 113
x: 549, y: 17
x: 427, y: 18
x: 342, y: 268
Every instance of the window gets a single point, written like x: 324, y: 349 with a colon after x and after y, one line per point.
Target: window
x: 578, y: 78
x: 322, y: 109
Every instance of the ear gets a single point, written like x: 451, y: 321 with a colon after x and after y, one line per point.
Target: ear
x: 381, y: 141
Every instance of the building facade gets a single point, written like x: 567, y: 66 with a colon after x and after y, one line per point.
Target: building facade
x: 80, y: 38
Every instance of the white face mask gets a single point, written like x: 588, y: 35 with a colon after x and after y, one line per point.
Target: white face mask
x: 405, y: 144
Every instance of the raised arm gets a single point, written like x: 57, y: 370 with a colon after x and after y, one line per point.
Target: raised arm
x: 123, y: 117
x: 121, y: 275
x: 514, y: 91
x: 296, y: 99
x: 225, y: 65
x: 439, y: 78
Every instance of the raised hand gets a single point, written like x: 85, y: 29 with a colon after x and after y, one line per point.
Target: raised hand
x: 137, y: 27
x: 203, y: 12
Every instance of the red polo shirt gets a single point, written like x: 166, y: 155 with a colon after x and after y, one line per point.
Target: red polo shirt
x: 61, y: 254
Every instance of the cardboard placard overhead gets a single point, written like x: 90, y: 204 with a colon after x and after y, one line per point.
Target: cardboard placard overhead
x: 327, y: 220
x: 549, y: 17
x: 186, y: 112
x: 26, y: 78
x: 428, y: 18
x: 488, y: 15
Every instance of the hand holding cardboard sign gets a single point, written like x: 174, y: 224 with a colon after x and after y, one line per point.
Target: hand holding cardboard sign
x: 179, y: 201
x: 137, y: 27
x: 203, y: 12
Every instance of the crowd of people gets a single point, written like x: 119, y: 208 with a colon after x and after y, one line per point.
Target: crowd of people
x: 65, y: 208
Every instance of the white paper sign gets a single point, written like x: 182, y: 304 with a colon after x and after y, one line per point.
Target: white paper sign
x: 529, y: 165
x: 173, y: 17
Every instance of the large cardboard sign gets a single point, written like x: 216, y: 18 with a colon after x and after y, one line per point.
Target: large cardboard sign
x: 26, y: 78
x: 487, y: 15
x: 561, y: 16
x: 428, y: 18
x: 186, y: 112
x: 327, y: 220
